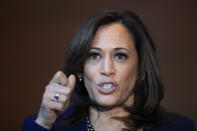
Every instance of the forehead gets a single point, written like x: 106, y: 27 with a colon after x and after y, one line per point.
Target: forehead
x: 113, y: 35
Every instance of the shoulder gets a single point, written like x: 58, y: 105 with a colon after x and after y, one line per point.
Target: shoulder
x: 178, y: 118
x: 174, y: 122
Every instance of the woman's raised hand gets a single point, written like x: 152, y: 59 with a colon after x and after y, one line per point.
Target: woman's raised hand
x: 56, y: 99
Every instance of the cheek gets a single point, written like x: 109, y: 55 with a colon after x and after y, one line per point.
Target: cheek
x: 128, y: 73
x: 89, y: 73
x: 88, y: 83
x: 90, y: 78
x: 132, y: 76
x: 128, y: 77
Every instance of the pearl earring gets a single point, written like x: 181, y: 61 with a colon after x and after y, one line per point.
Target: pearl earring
x: 80, y: 79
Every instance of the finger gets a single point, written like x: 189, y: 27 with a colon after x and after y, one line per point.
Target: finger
x: 60, y: 78
x: 53, y: 87
x: 61, y: 98
x: 52, y: 105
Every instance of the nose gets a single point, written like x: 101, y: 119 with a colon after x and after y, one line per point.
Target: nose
x: 107, y: 66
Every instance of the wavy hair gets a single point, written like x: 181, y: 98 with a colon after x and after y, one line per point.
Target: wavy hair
x: 148, y: 90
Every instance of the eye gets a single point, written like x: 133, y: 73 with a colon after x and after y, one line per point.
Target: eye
x: 94, y: 56
x: 120, y: 56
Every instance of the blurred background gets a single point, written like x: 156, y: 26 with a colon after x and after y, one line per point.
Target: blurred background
x: 34, y: 36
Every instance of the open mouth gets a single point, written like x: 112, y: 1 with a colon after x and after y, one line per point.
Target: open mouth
x: 106, y: 87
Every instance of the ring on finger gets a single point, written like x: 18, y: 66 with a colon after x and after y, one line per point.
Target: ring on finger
x: 56, y: 97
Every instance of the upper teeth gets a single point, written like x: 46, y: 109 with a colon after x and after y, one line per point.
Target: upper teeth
x: 107, y: 86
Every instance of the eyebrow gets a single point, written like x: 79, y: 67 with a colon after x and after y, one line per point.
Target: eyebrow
x: 96, y: 48
x: 118, y: 48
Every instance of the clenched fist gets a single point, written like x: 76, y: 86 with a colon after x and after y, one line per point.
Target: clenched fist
x: 56, y: 99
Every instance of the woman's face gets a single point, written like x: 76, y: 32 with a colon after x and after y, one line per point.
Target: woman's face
x: 110, y: 71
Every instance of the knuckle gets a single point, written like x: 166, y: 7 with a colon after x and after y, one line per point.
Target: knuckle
x: 48, y: 87
x: 45, y: 95
x: 59, y: 74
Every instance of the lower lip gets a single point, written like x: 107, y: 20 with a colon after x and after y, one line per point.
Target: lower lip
x: 106, y: 91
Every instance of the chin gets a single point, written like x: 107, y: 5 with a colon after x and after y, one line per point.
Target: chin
x: 106, y: 101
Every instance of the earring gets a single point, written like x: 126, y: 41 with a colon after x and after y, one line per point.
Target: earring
x: 80, y: 79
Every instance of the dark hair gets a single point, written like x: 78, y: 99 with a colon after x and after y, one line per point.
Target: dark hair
x: 148, y: 90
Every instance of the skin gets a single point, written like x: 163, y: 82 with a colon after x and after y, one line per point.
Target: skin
x: 113, y: 57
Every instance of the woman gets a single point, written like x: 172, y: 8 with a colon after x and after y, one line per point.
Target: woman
x: 110, y: 82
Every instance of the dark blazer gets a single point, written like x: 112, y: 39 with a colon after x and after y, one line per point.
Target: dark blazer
x: 172, y: 122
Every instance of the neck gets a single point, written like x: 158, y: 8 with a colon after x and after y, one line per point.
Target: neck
x: 102, y: 119
x: 104, y: 112
x: 108, y: 113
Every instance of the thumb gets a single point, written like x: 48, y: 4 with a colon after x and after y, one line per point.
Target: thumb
x: 71, y: 81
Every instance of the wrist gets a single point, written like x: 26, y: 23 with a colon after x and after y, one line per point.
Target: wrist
x: 44, y: 124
